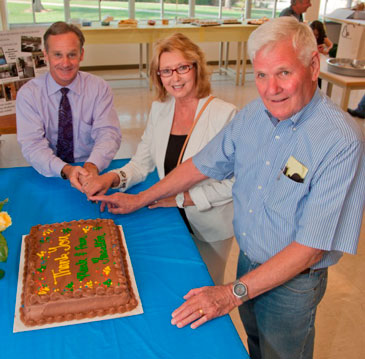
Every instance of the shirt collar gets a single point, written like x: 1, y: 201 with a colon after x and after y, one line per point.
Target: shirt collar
x: 303, y: 114
x: 53, y: 86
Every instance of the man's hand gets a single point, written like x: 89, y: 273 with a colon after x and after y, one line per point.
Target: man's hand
x: 92, y: 172
x: 73, y: 174
x: 204, y: 304
x: 119, y: 203
x: 99, y: 185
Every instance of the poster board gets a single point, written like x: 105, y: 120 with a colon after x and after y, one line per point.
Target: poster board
x: 21, y: 59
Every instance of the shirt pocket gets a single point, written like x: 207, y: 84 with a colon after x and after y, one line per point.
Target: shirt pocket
x: 284, y: 196
x: 85, y: 129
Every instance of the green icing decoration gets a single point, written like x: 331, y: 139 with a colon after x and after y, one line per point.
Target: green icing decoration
x: 41, y: 269
x: 70, y: 286
x: 66, y: 230
x: 108, y: 282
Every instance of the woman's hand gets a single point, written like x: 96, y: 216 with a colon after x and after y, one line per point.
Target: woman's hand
x: 99, y: 185
x: 119, y: 203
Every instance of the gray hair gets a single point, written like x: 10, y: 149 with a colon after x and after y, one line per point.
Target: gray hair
x: 281, y: 29
x: 61, y: 27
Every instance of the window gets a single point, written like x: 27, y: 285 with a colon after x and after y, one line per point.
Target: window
x: 42, y: 11
x: 329, y: 6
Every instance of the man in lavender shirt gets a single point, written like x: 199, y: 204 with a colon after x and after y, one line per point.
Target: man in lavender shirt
x: 96, y: 129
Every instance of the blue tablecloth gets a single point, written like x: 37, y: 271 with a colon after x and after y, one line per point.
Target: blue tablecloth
x: 166, y: 265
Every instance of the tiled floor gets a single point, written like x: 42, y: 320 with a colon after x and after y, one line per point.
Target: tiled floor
x: 340, y: 321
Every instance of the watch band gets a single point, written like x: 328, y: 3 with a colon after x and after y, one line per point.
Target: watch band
x: 180, y: 199
x: 63, y: 175
x: 122, y: 178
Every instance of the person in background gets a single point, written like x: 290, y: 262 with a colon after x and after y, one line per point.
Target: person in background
x: 323, y: 42
x: 299, y: 194
x: 297, y: 8
x: 182, y: 121
x: 67, y: 116
x: 360, y: 110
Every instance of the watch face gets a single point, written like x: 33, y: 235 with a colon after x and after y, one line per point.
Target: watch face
x: 240, y: 290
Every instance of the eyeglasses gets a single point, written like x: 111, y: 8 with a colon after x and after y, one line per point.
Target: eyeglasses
x: 182, y: 69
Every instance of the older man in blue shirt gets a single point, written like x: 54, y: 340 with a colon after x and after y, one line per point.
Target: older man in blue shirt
x: 66, y: 115
x: 299, y: 193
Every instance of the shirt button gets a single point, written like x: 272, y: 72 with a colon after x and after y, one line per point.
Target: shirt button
x: 277, y: 137
x: 244, y: 234
x: 259, y: 187
x: 250, y: 210
x: 267, y: 163
x: 294, y: 128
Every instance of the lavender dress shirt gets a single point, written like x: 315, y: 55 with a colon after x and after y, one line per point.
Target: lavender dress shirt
x: 96, y: 128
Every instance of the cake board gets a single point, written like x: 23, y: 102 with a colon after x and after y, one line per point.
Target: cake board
x: 19, y: 326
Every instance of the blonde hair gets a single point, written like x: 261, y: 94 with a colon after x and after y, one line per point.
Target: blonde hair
x: 281, y: 29
x: 192, y: 53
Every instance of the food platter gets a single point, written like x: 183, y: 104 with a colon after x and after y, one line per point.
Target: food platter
x: 346, y: 67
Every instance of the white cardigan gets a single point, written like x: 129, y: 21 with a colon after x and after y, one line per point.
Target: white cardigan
x: 211, y: 217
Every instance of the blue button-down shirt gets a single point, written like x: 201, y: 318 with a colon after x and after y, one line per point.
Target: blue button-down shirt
x: 272, y: 210
x: 96, y: 128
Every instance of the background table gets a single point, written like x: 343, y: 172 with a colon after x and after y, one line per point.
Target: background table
x: 347, y: 83
x: 166, y: 265
x: 145, y: 34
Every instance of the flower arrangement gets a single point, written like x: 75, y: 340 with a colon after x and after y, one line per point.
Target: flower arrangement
x: 5, y: 222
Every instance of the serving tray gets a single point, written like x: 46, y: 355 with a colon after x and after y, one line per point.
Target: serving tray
x: 346, y: 67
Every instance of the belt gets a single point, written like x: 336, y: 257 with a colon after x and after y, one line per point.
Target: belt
x: 307, y: 270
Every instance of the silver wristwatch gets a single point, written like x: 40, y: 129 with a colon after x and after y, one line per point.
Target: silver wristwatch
x: 180, y: 200
x: 240, y: 291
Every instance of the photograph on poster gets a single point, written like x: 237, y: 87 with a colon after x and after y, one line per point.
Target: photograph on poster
x: 2, y: 96
x: 7, y: 71
x: 30, y: 43
x: 21, y: 59
x: 2, y: 57
x: 12, y: 88
x: 39, y: 61
x: 25, y: 67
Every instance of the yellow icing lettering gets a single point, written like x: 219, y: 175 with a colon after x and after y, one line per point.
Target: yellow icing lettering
x: 63, y: 267
x: 59, y: 274
x: 63, y: 242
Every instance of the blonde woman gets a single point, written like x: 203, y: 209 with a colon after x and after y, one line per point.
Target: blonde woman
x: 183, y: 119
